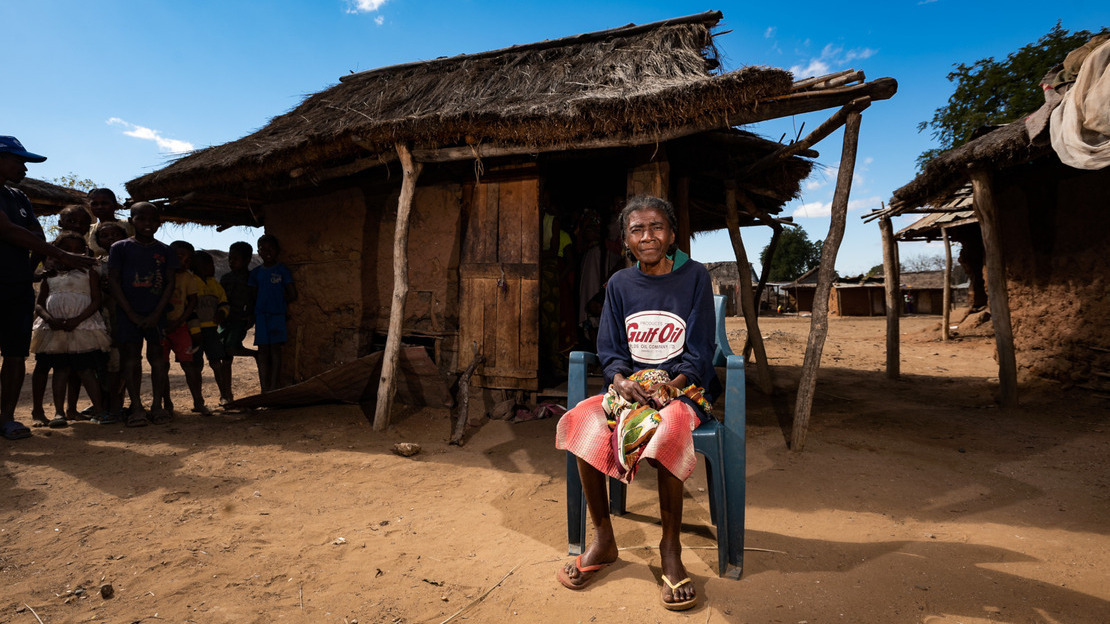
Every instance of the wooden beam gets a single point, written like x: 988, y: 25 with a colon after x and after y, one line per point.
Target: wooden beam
x: 946, y: 315
x: 892, y: 276
x: 747, y: 302
x: 770, y: 108
x: 819, y: 324
x: 998, y: 296
x: 785, y: 152
x: 387, y: 385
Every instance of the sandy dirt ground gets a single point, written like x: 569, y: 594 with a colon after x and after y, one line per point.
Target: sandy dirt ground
x: 914, y: 501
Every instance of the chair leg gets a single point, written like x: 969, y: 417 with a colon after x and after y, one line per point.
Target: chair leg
x: 576, y: 508
x: 735, y: 470
x: 618, y: 493
x: 709, y: 486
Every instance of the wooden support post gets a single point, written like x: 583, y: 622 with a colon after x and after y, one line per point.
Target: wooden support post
x: 682, y: 207
x: 998, y: 297
x: 946, y: 316
x: 387, y: 386
x: 747, y: 296
x: 765, y: 270
x: 819, y: 325
x: 892, y: 276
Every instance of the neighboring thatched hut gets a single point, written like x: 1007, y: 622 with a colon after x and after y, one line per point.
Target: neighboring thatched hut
x: 517, y: 147
x: 1048, y: 223
x: 47, y: 198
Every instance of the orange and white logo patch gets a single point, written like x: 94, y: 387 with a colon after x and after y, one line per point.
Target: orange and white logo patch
x: 655, y: 336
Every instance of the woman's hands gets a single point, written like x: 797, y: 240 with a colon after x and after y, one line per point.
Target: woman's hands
x: 630, y: 390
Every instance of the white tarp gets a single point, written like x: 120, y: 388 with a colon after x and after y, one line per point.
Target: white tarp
x: 1080, y: 127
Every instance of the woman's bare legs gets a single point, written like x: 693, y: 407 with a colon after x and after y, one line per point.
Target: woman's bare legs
x: 603, y: 549
x: 670, y: 546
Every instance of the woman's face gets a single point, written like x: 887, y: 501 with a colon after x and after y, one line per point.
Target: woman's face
x: 649, y: 235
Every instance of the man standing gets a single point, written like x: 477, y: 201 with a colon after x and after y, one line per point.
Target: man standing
x: 22, y: 246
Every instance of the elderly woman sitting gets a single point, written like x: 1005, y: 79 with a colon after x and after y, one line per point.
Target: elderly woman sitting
x: 656, y: 347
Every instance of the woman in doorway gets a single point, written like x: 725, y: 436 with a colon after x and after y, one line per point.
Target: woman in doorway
x: 656, y: 348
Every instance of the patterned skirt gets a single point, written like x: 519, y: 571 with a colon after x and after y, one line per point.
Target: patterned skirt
x: 585, y: 432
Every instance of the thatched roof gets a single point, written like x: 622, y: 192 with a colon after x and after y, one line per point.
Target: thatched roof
x: 47, y: 198
x: 637, y: 81
x: 1004, y: 147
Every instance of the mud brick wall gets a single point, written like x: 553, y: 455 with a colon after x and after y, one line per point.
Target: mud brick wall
x: 322, y: 242
x: 1055, y: 232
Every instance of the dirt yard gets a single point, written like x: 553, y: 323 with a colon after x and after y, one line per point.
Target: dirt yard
x: 913, y: 501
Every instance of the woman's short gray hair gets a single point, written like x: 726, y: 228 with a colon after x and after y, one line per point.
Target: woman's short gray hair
x: 648, y: 202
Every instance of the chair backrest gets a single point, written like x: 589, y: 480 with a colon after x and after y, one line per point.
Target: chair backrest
x: 723, y: 350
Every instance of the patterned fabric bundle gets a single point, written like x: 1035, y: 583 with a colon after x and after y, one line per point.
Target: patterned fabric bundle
x: 633, y: 424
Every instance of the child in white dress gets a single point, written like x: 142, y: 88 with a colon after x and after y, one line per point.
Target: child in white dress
x: 69, y: 333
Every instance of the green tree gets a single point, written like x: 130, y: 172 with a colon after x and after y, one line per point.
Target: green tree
x: 70, y: 180
x: 997, y: 92
x: 794, y: 256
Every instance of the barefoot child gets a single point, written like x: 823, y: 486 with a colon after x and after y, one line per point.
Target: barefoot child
x: 111, y: 386
x: 183, y: 303
x: 72, y: 219
x: 211, y: 311
x: 234, y: 328
x: 69, y: 334
x: 141, y: 271
x: 272, y: 290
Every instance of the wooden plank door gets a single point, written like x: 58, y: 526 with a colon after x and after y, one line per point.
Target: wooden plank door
x: 500, y: 283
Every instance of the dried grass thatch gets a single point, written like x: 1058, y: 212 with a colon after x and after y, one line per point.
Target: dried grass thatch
x: 632, y: 81
x: 1004, y: 147
x: 47, y: 198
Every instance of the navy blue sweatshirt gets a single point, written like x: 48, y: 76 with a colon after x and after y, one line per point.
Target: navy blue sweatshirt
x: 660, y: 321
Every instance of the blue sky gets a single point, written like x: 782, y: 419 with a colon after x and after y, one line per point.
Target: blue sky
x: 112, y: 89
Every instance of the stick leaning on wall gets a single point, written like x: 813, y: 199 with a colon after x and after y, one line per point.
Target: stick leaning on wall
x: 387, y: 386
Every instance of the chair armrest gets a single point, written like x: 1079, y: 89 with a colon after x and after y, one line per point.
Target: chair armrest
x: 576, y: 377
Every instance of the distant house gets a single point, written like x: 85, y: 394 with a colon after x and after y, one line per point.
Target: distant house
x: 802, y: 291
x: 858, y: 296
x: 923, y: 292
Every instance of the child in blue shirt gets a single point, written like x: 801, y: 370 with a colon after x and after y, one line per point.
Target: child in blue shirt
x: 272, y: 290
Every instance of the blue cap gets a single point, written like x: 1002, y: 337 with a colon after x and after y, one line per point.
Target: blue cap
x: 11, y: 145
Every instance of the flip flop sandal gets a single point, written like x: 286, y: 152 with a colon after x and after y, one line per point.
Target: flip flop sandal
x: 39, y: 420
x: 137, y: 419
x: 582, y: 581
x: 14, y: 430
x: 160, y: 418
x: 59, y: 422
x: 675, y: 606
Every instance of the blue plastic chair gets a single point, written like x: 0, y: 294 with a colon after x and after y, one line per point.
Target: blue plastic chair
x: 721, y: 444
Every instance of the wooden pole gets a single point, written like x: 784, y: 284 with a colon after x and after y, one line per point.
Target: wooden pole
x: 819, y: 325
x: 764, y: 271
x: 946, y: 316
x: 747, y: 296
x: 997, y: 295
x: 387, y: 386
x: 892, y: 278
x: 682, y: 207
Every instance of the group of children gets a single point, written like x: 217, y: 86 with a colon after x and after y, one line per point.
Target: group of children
x: 91, y: 325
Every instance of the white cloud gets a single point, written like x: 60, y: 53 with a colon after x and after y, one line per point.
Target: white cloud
x: 379, y: 20
x: 770, y: 32
x: 831, y: 57
x: 364, y: 6
x: 172, y: 146
x: 812, y: 210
